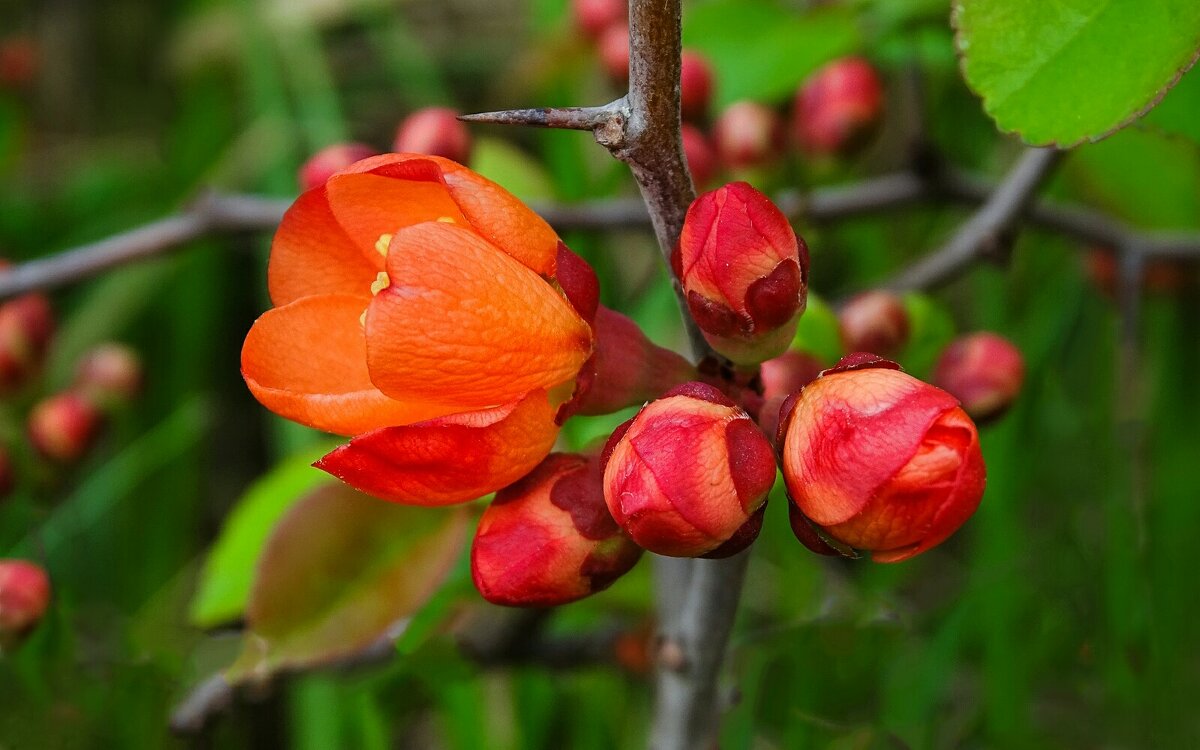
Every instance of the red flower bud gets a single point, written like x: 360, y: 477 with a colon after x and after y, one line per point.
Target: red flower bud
x: 695, y: 85
x: 435, y: 131
x: 594, y: 16
x: 875, y: 322
x: 62, y: 427
x: 630, y: 369
x: 689, y: 475
x: 838, y: 108
x: 982, y: 370
x: 24, y: 597
x: 747, y: 134
x: 701, y: 159
x: 874, y: 459
x: 18, y: 62
x: 744, y: 272
x: 26, y: 326
x: 109, y: 373
x: 781, y: 377
x: 548, y: 539
x: 1159, y: 275
x: 613, y: 48
x: 321, y: 165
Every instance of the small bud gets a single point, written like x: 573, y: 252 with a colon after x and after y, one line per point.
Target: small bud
x: 24, y: 597
x: 62, y: 427
x: 1159, y: 275
x: 744, y: 272
x: 321, y: 165
x: 875, y: 322
x: 701, y: 159
x: 594, y: 16
x: 838, y: 108
x: 435, y: 131
x: 613, y: 48
x: 689, y: 475
x: 982, y: 370
x: 18, y: 62
x: 110, y: 373
x: 695, y: 85
x: 26, y: 326
x: 747, y: 134
x: 781, y: 377
x: 630, y: 369
x: 548, y: 539
x: 877, y: 460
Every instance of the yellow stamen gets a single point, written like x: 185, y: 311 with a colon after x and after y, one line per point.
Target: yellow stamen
x: 382, y: 243
x: 382, y: 281
x: 447, y: 220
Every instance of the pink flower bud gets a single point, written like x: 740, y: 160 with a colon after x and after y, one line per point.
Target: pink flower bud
x: 875, y: 322
x: 838, y: 108
x: 877, y: 460
x: 62, y: 427
x: 781, y: 377
x: 321, y: 165
x: 701, y: 159
x: 613, y: 49
x: 26, y: 326
x: 548, y: 539
x: 747, y: 134
x: 594, y: 16
x: 110, y: 373
x: 689, y: 475
x: 744, y: 272
x: 630, y: 369
x: 435, y: 131
x: 24, y: 597
x: 982, y: 370
x: 695, y: 85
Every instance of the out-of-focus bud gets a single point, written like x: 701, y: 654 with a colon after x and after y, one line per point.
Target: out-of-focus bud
x: 24, y: 597
x: 877, y: 460
x: 594, y: 16
x: 18, y: 62
x: 435, y: 131
x: 747, y: 134
x: 613, y: 49
x: 701, y: 158
x: 781, y: 377
x: 321, y: 165
x: 26, y: 326
x: 982, y: 370
x: 8, y: 478
x: 875, y: 322
x: 838, y: 108
x: 689, y: 475
x: 109, y: 374
x: 62, y: 427
x: 744, y: 271
x: 1159, y: 275
x: 695, y: 85
x: 630, y: 369
x: 548, y: 539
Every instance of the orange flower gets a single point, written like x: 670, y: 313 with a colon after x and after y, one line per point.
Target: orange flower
x: 426, y: 310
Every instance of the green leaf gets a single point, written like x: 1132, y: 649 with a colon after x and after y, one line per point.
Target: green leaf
x: 228, y: 572
x: 1176, y: 114
x: 341, y: 571
x: 1073, y: 70
x: 509, y: 166
x: 818, y: 332
x: 763, y: 51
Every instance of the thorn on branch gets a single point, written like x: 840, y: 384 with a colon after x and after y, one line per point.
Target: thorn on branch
x: 606, y: 122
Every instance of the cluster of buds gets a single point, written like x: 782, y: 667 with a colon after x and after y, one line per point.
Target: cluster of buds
x: 24, y: 598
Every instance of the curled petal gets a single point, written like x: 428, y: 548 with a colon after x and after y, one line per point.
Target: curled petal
x: 374, y: 204
x: 451, y: 459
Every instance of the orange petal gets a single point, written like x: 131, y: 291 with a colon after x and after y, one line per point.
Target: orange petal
x: 307, y: 361
x: 451, y: 459
x: 311, y: 254
x: 462, y: 323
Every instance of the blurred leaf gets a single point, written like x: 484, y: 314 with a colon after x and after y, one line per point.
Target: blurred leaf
x: 509, y: 166
x: 1176, y: 113
x: 1073, y: 70
x: 340, y: 572
x: 228, y: 572
x: 761, y: 50
x: 818, y: 331
x: 931, y: 327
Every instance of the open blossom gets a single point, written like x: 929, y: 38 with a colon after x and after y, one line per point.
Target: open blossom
x: 427, y: 311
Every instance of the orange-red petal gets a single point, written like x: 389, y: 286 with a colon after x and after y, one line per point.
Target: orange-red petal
x: 307, y: 361
x: 451, y: 459
x: 370, y: 205
x: 462, y: 323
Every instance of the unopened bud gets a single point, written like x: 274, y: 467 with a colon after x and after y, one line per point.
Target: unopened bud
x: 781, y: 377
x: 695, y: 85
x: 18, y: 62
x: 594, y: 16
x: 24, y: 597
x: 613, y: 49
x: 689, y: 475
x: 838, y: 108
x: 747, y: 134
x: 877, y: 460
x: 700, y: 156
x: 435, y: 131
x: 982, y: 370
x: 322, y: 165
x: 62, y: 427
x: 548, y: 539
x: 26, y: 326
x: 110, y: 373
x: 874, y: 322
x: 744, y: 272
x: 630, y: 369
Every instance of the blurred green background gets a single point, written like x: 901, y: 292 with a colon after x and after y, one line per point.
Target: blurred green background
x: 1062, y: 615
